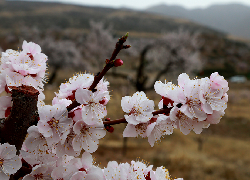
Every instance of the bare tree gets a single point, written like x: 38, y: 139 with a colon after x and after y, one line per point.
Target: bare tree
x: 173, y: 53
x: 63, y: 54
x: 98, y: 44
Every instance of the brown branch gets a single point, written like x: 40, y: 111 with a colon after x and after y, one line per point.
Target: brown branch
x: 123, y: 120
x: 23, y: 114
x: 109, y: 64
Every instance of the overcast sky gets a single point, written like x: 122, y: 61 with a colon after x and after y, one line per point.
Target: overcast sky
x: 142, y: 4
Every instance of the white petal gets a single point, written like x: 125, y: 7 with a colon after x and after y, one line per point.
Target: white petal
x: 130, y: 131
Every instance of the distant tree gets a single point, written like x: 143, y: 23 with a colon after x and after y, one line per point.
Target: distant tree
x: 174, y: 52
x: 61, y: 53
x: 98, y: 44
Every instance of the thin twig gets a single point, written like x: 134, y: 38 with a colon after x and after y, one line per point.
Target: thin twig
x: 109, y: 64
x: 123, y: 120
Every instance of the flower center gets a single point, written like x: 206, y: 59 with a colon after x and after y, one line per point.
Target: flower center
x: 141, y: 128
x: 1, y: 162
x: 84, y: 130
x: 53, y: 123
x: 134, y: 111
x: 38, y: 176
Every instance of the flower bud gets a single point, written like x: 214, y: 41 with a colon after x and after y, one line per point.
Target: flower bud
x: 118, y: 62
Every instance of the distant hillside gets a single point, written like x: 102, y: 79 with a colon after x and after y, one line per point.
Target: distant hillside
x: 14, y: 14
x: 231, y: 18
x: 223, y: 55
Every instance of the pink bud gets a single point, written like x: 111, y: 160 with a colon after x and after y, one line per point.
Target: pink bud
x: 118, y: 62
x: 104, y: 101
x: 110, y: 129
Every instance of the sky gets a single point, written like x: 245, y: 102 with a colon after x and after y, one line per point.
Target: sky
x: 142, y: 4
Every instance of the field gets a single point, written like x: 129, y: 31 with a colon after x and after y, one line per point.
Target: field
x: 220, y: 152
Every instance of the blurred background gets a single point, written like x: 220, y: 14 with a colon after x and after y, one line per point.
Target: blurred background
x: 167, y: 38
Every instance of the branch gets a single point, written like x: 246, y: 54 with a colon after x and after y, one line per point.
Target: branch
x: 23, y: 114
x: 123, y: 120
x: 109, y: 64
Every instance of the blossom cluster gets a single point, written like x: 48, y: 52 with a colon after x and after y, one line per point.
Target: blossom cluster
x: 193, y: 104
x: 52, y: 147
x: 60, y: 133
x: 70, y: 168
x: 135, y: 170
x: 26, y: 67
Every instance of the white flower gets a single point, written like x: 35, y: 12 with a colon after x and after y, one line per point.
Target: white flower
x: 154, y: 129
x: 115, y: 171
x: 39, y: 172
x: 184, y: 123
x: 191, y: 104
x: 79, y: 81
x: 65, y: 145
x: 5, y: 105
x: 92, y: 110
x: 87, y: 136
x: 162, y: 126
x: 164, y: 89
x: 139, y: 107
x: 54, y: 121
x: 35, y: 140
x: 160, y: 173
x: 9, y: 161
x: 63, y: 172
x: 85, y: 167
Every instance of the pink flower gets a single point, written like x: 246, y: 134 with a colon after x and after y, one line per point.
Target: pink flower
x: 115, y: 171
x: 218, y: 82
x: 31, y: 48
x: 210, y: 98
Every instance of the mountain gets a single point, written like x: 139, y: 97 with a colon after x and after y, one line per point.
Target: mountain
x: 14, y: 14
x: 67, y: 21
x: 231, y: 18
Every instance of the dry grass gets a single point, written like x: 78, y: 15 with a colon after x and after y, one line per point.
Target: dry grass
x: 225, y: 146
